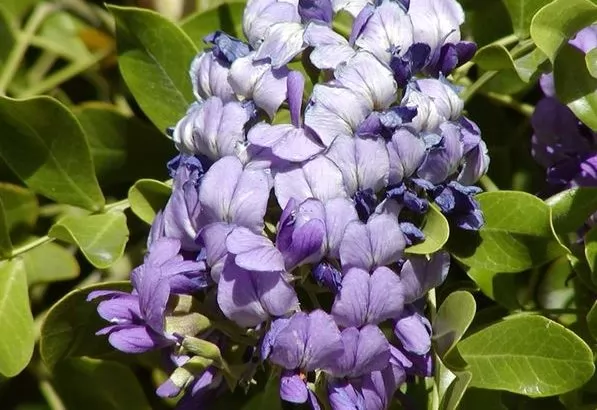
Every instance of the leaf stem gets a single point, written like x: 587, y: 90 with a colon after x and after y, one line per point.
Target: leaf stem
x: 487, y: 184
x: 23, y: 39
x: 52, y: 398
x: 65, y: 74
x: 507, y: 101
x: 477, y: 85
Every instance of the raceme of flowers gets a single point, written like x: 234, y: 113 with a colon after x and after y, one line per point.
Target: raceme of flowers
x: 285, y: 242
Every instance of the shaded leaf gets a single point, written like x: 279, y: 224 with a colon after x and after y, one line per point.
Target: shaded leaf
x: 559, y: 20
x: 591, y: 62
x: 7, y: 32
x: 115, y: 387
x: 516, y: 236
x: 18, y: 8
x: 5, y: 242
x: 575, y: 86
x: 499, y: 286
x: 50, y: 262
x: 591, y: 251
x: 227, y: 17
x: 571, y: 208
x: 528, y: 355
x: 456, y: 390
x: 123, y: 148
x: 481, y: 398
x: 154, y: 57
x: 70, y: 325
x: 147, y: 197
x: 20, y: 206
x: 453, y: 317
x: 45, y: 146
x: 592, y: 320
x: 16, y: 321
x: 556, y: 290
x: 101, y: 237
x: 436, y: 230
x: 521, y: 13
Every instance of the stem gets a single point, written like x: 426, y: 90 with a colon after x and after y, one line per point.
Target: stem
x: 487, y: 184
x: 507, y: 101
x: 65, y: 74
x: 23, y: 39
x: 52, y: 398
x: 41, y: 66
x: 30, y: 245
x: 477, y: 85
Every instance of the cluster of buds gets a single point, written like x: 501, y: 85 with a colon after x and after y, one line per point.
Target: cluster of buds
x: 284, y: 243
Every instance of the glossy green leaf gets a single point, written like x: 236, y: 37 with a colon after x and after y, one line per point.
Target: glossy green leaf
x: 16, y: 321
x: 50, y: 262
x: 115, y: 387
x: 521, y: 13
x: 571, y: 208
x: 528, y: 355
x: 123, y: 148
x: 497, y: 57
x: 559, y: 20
x: 556, y: 290
x: 592, y: 320
x: 591, y: 249
x: 499, y: 286
x: 101, y: 238
x: 453, y: 317
x: 20, y: 206
x: 591, y: 62
x: 575, y: 86
x: 147, y: 197
x: 70, y: 325
x: 154, y: 56
x: 45, y: 146
x: 436, y: 230
x: 516, y: 236
x: 227, y: 17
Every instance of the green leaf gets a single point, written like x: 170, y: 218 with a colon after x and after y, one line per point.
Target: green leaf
x: 521, y: 13
x: 154, y: 57
x: 5, y: 242
x: 556, y: 290
x: 7, y: 33
x: 516, y: 236
x: 147, y: 197
x: 591, y: 250
x: 268, y: 398
x: 436, y: 230
x: 455, y: 391
x: 499, y: 286
x: 45, y: 146
x: 497, y: 57
x: 227, y: 17
x: 571, y: 208
x: 50, y: 262
x: 16, y: 321
x: 575, y: 86
x: 114, y: 386
x: 62, y: 31
x: 591, y: 62
x: 559, y: 20
x: 453, y: 317
x: 592, y: 320
x: 101, y: 238
x: 70, y: 325
x: 20, y: 206
x: 124, y: 149
x: 528, y: 355
x: 18, y: 8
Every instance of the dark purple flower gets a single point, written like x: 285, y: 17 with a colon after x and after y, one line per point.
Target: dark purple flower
x: 457, y: 202
x: 315, y: 10
x: 225, y: 47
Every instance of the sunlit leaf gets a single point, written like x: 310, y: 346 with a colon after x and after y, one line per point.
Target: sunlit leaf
x: 101, y: 238
x: 516, y: 236
x: 16, y: 321
x: 45, y: 146
x: 528, y: 355
x: 453, y: 317
x: 50, y: 262
x: 436, y: 230
x: 154, y: 56
x: 147, y: 197
x: 521, y: 13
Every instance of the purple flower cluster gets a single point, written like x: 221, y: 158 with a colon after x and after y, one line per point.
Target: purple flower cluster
x: 561, y: 143
x: 296, y: 232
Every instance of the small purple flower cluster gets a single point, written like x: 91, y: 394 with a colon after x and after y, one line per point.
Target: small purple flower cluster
x: 291, y: 237
x: 561, y: 143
